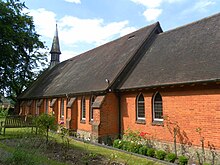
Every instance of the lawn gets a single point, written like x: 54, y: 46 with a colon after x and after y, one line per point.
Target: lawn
x: 20, y: 146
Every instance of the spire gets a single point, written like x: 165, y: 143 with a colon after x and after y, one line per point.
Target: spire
x: 55, y: 50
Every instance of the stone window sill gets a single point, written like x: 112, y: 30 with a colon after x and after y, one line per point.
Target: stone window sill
x: 157, y: 123
x: 83, y: 121
x: 140, y: 122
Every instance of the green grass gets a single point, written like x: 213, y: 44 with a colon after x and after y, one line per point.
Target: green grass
x: 81, y: 146
x: 34, y: 157
x: 111, y: 154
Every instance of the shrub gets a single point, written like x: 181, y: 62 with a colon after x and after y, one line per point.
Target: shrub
x: 143, y: 150
x: 160, y: 154
x: 206, y: 163
x: 131, y: 135
x: 118, y: 144
x: 151, y: 152
x: 45, y: 122
x: 133, y: 147
x: 183, y: 160
x: 125, y: 145
x: 171, y: 157
x: 3, y: 112
x: 20, y: 157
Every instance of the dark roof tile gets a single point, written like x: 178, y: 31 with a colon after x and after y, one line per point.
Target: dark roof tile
x: 87, y: 72
x: 189, y: 53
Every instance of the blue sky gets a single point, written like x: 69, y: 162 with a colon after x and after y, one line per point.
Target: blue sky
x: 85, y: 24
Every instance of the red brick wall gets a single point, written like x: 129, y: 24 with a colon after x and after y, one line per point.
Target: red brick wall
x: 59, y: 110
x: 84, y: 126
x: 109, y: 117
x: 192, y: 107
x: 73, y: 112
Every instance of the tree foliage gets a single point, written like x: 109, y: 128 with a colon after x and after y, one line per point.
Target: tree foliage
x: 45, y: 122
x: 20, y: 57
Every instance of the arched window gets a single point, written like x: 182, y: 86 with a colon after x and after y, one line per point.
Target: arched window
x: 83, y: 109
x: 140, y: 110
x: 92, y: 99
x: 157, y: 107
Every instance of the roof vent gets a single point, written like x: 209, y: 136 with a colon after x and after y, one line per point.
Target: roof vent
x: 131, y: 37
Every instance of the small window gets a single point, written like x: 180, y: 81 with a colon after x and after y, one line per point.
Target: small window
x: 91, y: 109
x: 131, y: 37
x: 140, y: 107
x: 62, y: 108
x: 83, y: 108
x: 37, y: 107
x: 157, y: 107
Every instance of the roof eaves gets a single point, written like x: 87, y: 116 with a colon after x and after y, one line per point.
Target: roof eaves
x: 172, y: 84
x: 101, y: 92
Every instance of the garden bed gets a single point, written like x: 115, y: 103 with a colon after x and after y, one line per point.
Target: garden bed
x: 32, y: 149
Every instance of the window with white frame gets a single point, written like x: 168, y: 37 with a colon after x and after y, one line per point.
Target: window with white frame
x: 140, y: 107
x: 91, y: 109
x: 37, y: 107
x: 83, y: 109
x: 62, y: 108
x: 157, y: 107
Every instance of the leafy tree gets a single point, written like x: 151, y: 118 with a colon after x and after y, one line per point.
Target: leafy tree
x: 20, y: 56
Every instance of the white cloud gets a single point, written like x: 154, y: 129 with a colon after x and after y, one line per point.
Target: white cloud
x: 152, y: 14
x: 174, y: 1
x: 148, y: 3
x: 44, y: 21
x: 127, y: 30
x: 74, y: 31
x: 200, y: 6
x: 73, y: 1
x: 92, y: 31
x: 66, y: 54
x: 153, y: 7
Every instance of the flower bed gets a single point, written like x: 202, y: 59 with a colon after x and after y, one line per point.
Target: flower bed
x: 141, y: 143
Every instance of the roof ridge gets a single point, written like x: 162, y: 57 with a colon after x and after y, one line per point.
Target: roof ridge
x: 191, y: 23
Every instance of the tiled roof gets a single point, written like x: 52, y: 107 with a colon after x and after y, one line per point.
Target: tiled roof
x: 88, y: 72
x: 190, y: 53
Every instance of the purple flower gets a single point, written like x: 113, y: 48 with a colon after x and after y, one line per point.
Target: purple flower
x: 62, y: 122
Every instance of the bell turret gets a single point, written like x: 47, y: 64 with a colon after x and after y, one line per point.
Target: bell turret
x: 55, y: 50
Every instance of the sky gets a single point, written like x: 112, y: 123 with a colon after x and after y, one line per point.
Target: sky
x: 86, y: 24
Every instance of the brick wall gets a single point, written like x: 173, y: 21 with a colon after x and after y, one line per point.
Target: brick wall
x: 59, y: 110
x: 191, y: 107
x: 109, y: 117
x: 73, y: 113
x: 83, y: 125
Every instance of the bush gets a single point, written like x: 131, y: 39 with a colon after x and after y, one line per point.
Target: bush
x: 3, y: 112
x: 206, y: 163
x: 160, y: 154
x: 45, y: 122
x: 134, y: 147
x: 183, y: 160
x: 20, y: 157
x: 118, y: 144
x: 171, y: 157
x: 126, y: 145
x: 151, y: 152
x: 143, y: 150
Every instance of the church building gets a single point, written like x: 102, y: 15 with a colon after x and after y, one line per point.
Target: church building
x: 148, y: 81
